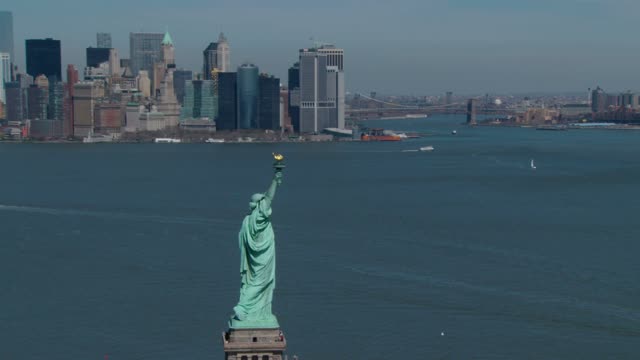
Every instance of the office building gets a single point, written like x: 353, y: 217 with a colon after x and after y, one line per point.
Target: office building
x: 598, y: 100
x: 167, y: 102
x: 85, y: 95
x: 223, y: 54
x: 180, y: 78
x: 145, y: 50
x: 5, y: 74
x: 335, y: 56
x: 114, y: 63
x: 44, y: 58
x: 16, y: 105
x: 97, y: 56
x: 72, y: 79
x: 108, y: 117
x: 210, y: 60
x: 322, y: 89
x: 38, y: 99
x: 448, y: 98
x: 144, y: 83
x: 294, y: 96
x: 227, y: 101
x: 6, y: 34
x: 104, y: 40
x: 269, y: 102
x: 285, y: 118
x: 200, y: 100
x: 248, y: 92
x: 630, y: 100
x: 56, y: 108
x: 216, y: 56
x: 168, y: 51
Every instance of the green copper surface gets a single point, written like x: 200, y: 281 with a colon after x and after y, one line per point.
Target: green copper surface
x: 167, y: 39
x: 257, y: 263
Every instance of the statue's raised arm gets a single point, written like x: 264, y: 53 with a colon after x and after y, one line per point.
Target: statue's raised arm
x: 258, y: 260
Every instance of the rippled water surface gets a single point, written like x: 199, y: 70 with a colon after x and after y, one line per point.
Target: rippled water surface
x: 462, y: 253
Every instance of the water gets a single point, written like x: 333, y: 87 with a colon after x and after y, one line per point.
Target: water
x: 131, y: 250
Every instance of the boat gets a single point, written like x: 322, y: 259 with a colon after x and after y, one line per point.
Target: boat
x: 454, y: 132
x: 166, y: 141
x: 533, y: 166
x: 380, y: 135
x: 416, y: 116
x: 91, y: 138
x: 346, y: 133
x: 214, y: 141
x: 427, y: 148
x: 552, y: 128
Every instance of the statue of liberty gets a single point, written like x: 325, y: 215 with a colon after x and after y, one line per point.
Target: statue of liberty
x: 258, y: 261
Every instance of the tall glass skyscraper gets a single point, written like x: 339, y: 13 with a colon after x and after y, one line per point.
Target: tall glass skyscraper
x: 5, y: 74
x: 104, y: 40
x: 145, y: 49
x: 200, y: 100
x: 6, y: 33
x: 269, y: 103
x: 248, y: 93
x: 44, y: 58
x: 228, y: 101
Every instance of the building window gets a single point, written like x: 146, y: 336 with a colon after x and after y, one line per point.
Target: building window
x: 265, y: 357
x: 244, y: 358
x: 255, y: 357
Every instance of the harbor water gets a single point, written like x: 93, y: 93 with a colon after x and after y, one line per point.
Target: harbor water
x: 463, y: 252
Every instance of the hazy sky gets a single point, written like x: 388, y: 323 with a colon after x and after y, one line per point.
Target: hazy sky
x: 401, y: 46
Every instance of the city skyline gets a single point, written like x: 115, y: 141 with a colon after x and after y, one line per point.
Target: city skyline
x: 429, y: 48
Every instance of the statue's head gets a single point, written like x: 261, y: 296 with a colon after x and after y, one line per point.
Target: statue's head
x: 255, y: 199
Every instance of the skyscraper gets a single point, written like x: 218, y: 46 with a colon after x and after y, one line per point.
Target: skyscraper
x: 294, y: 96
x: 598, y: 100
x: 210, y: 60
x: 227, y: 101
x: 216, y: 56
x: 145, y: 49
x: 269, y: 102
x: 38, y: 99
x: 224, y: 54
x: 248, y: 93
x: 55, y: 110
x: 200, y: 100
x: 6, y: 33
x: 97, y: 56
x: 5, y: 74
x: 72, y: 79
x: 180, y: 78
x: 322, y: 89
x: 85, y: 96
x: 104, y: 40
x: 16, y: 101
x: 44, y: 58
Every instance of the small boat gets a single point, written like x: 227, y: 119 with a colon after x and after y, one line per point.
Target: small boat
x: 427, y: 148
x: 214, y: 141
x: 166, y: 141
x: 533, y: 166
x: 454, y: 132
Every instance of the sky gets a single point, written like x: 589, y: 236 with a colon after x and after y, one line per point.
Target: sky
x: 408, y: 47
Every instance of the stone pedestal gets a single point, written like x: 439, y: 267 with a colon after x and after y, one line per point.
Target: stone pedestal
x: 254, y: 344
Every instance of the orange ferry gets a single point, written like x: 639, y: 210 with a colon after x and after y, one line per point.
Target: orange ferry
x: 379, y: 135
